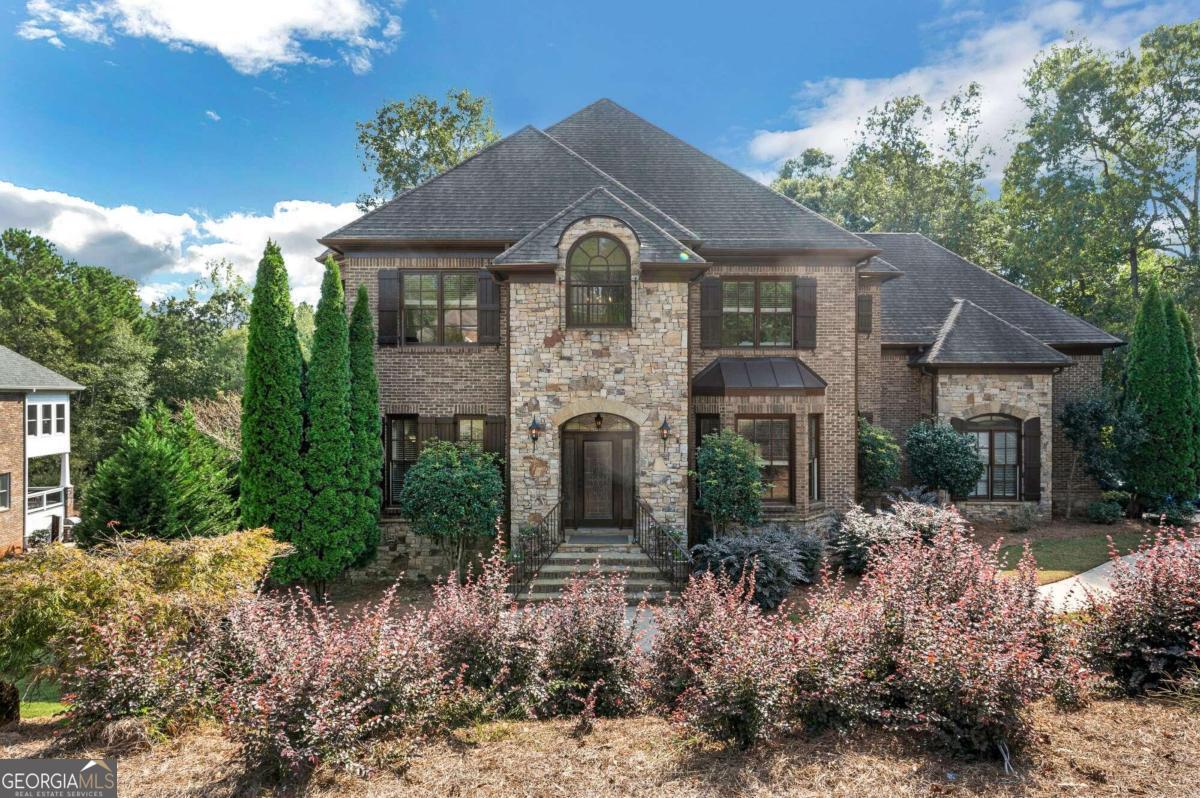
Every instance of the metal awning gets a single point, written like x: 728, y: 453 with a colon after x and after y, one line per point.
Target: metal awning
x: 757, y: 376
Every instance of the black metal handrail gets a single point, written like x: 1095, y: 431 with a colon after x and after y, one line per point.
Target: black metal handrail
x: 531, y: 548
x: 664, y: 549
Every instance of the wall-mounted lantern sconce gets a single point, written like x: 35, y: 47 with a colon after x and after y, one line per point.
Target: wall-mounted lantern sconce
x: 664, y: 432
x: 535, y: 431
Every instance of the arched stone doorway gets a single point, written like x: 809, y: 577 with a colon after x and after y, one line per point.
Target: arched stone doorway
x: 599, y: 470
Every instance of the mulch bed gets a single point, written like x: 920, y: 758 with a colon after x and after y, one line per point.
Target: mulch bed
x: 1108, y: 749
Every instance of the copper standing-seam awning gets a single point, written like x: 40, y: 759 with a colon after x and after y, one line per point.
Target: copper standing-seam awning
x: 757, y: 376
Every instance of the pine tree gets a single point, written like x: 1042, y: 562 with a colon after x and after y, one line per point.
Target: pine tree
x: 272, y: 486
x: 1157, y: 381
x: 365, y: 432
x: 1193, y: 388
x: 329, y: 541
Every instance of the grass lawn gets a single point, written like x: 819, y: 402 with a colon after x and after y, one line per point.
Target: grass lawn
x: 40, y: 702
x: 1060, y: 558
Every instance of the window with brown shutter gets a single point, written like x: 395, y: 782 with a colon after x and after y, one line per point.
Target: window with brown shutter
x: 389, y: 307
x: 443, y: 308
x: 805, y: 292
x: 864, y: 315
x: 710, y: 312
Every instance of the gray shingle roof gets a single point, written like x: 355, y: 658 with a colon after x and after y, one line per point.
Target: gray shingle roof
x: 728, y: 209
x: 19, y: 373
x: 541, y: 246
x: 914, y: 307
x: 972, y: 336
x: 499, y: 194
x: 516, y: 184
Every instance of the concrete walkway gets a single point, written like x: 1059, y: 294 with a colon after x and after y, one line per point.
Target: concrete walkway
x: 1071, y: 594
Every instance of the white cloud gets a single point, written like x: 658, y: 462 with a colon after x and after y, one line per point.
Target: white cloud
x: 993, y: 53
x: 213, y: 115
x: 164, y: 251
x: 252, y: 36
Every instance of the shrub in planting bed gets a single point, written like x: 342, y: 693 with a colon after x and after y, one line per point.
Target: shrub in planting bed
x: 1148, y: 628
x: 486, y: 644
x: 719, y: 666
x: 589, y: 652
x: 779, y: 556
x: 1104, y: 512
x: 299, y: 684
x: 859, y: 531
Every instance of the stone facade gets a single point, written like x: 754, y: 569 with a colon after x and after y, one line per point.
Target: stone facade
x: 1021, y: 395
x: 639, y: 373
x: 12, y: 462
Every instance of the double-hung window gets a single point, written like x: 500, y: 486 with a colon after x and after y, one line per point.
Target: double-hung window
x: 773, y: 435
x: 441, y: 308
x: 403, y: 446
x: 31, y: 419
x: 5, y: 491
x: 756, y: 313
x: 815, y: 494
x: 598, y: 283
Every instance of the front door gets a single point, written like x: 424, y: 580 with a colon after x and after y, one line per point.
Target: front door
x: 597, y: 479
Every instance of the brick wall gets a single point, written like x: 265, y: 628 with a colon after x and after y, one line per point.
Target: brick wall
x: 12, y: 462
x: 834, y: 359
x: 909, y: 398
x: 1074, y: 382
x: 869, y: 354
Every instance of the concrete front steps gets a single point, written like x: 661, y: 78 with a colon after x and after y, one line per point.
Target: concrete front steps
x: 612, y: 552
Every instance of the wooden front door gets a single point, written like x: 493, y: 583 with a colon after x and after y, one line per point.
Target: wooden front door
x: 597, y: 479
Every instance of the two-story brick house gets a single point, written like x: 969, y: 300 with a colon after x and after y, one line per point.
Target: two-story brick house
x: 35, y: 422
x: 590, y: 300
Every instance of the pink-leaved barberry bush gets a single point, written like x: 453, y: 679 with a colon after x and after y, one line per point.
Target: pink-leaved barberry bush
x: 1146, y: 630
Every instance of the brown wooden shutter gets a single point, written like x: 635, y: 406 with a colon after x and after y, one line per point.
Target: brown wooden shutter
x: 863, y: 315
x: 445, y: 429
x: 958, y: 424
x: 426, y: 430
x: 1032, y: 444
x: 494, y: 435
x: 488, y: 299
x: 804, y: 329
x: 710, y: 312
x: 389, y: 307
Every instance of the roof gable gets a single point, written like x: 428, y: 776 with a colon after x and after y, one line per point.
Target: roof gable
x: 541, y: 245
x: 728, y: 209
x: 915, y: 306
x: 971, y: 335
x: 499, y: 194
x: 19, y: 373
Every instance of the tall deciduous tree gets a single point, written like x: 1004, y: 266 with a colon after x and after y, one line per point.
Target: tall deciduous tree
x: 410, y: 141
x: 909, y: 170
x: 330, y: 537
x: 1106, y: 168
x: 1157, y: 380
x: 366, y: 440
x: 272, y: 485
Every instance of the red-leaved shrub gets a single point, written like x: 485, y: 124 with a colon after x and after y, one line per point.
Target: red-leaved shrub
x: 301, y: 685
x: 589, y: 649
x: 1148, y: 628
x: 487, y: 644
x: 933, y: 640
x: 719, y: 667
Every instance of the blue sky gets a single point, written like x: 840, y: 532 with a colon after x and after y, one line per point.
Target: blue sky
x: 152, y: 136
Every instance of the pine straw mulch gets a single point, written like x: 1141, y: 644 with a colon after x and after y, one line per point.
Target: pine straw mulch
x: 1111, y: 748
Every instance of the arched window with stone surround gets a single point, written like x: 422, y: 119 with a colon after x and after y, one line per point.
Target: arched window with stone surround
x: 598, y: 287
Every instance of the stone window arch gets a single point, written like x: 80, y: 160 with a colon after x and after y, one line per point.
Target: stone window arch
x: 598, y: 282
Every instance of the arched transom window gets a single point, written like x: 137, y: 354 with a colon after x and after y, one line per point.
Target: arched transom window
x: 598, y: 283
x: 998, y: 442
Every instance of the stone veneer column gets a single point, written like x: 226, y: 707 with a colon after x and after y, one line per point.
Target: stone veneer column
x: 641, y: 370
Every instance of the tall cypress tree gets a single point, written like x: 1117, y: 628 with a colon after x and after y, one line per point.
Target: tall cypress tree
x: 365, y: 432
x: 271, y: 484
x: 1193, y: 388
x: 328, y: 541
x: 1157, y: 380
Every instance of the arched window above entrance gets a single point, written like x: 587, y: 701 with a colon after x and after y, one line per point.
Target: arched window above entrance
x: 599, y: 422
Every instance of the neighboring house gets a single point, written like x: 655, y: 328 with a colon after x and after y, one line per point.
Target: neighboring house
x: 590, y: 300
x: 35, y: 422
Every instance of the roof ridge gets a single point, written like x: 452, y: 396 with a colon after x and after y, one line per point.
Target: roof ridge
x: 441, y: 174
x: 992, y: 274
x: 944, y: 331
x: 1006, y: 323
x: 722, y: 164
x: 607, y: 176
